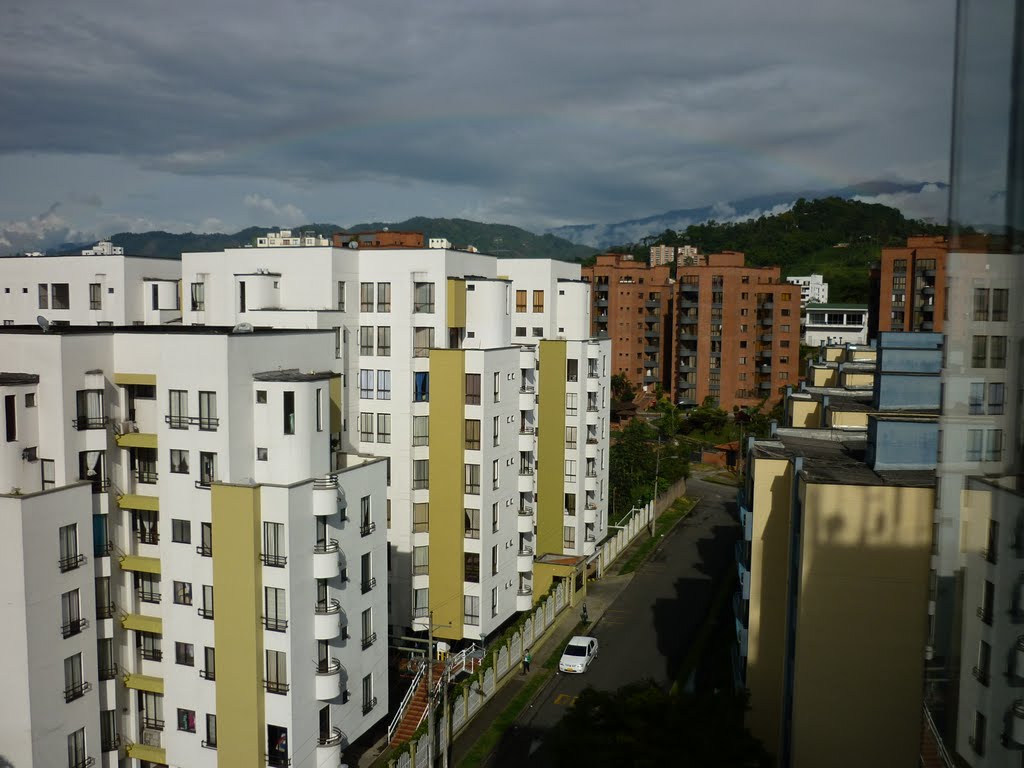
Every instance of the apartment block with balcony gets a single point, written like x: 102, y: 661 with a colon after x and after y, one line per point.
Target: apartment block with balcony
x: 230, y: 546
x: 633, y: 307
x: 908, y: 287
x: 737, y: 333
x: 835, y: 324
x: 107, y: 289
x: 813, y: 289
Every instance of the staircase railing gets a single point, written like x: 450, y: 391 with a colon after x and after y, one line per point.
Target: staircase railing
x: 405, y: 702
x: 947, y: 761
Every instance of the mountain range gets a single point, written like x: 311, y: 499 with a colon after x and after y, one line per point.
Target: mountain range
x: 910, y: 197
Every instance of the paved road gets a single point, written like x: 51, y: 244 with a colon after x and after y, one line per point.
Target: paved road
x: 646, y: 632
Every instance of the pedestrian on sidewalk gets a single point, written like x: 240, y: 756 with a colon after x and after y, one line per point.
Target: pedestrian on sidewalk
x: 527, y: 658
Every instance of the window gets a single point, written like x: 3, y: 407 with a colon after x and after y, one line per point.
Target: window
x: 366, y: 524
x: 177, y: 417
x: 471, y: 610
x: 977, y: 737
x: 976, y: 398
x: 182, y: 593
x: 569, y: 537
x: 95, y: 296
x: 384, y: 428
x: 421, y: 387
x: 1000, y: 304
x: 105, y: 663
x: 472, y: 434
x: 366, y: 625
x: 996, y: 395
x: 494, y: 518
x: 179, y: 461
x: 981, y: 304
x: 366, y: 427
x: 369, y: 701
x: 77, y: 758
x: 420, y: 561
x: 383, y: 297
x: 277, y: 672
x: 495, y: 475
x: 109, y: 740
x: 571, y: 403
x: 423, y: 297
x: 383, y: 385
x: 44, y: 296
x: 420, y: 473
x: 207, y: 468
x: 71, y: 614
x: 520, y: 330
x: 209, y: 663
x: 147, y: 587
x: 366, y: 297
x: 570, y: 437
x: 538, y: 301
x: 420, y: 518
x: 184, y: 654
x: 994, y: 445
x: 198, y: 294
x: 979, y: 351
x: 471, y: 523
x: 366, y: 340
x: 572, y: 369
x: 69, y: 555
x: 10, y: 418
x: 570, y: 470
x: 208, y: 411
x: 211, y: 720
x: 89, y: 410
x: 74, y: 686
x: 288, y: 412
x: 421, y: 430
x: 471, y: 565
x: 205, y: 547
x: 422, y: 341
x: 495, y: 431
x: 420, y: 603
x: 275, y: 549
x: 341, y: 295
x: 472, y: 389
x: 472, y: 475
x: 538, y: 332
x: 275, y: 616
x: 181, y: 531
x: 383, y: 340
x: 520, y: 301
x: 997, y: 352
x: 366, y: 384
x: 569, y: 504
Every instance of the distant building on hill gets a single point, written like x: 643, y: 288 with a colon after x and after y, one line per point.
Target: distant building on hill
x: 813, y: 289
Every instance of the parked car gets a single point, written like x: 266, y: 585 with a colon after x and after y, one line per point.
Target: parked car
x: 578, y: 654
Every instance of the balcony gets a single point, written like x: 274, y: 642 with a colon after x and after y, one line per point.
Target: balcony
x: 1015, y: 732
x: 527, y: 429
x: 76, y: 691
x: 326, y: 564
x: 327, y: 619
x: 981, y: 675
x: 367, y: 584
x: 524, y: 522
x: 368, y: 640
x: 524, y: 597
x: 985, y: 614
x: 369, y: 704
x: 108, y: 673
x: 652, y: 304
x: 325, y: 496
x: 524, y: 560
x: 690, y: 288
x: 684, y: 335
x: 590, y: 514
x: 328, y: 679
x: 367, y: 528
x: 105, y: 611
x: 73, y: 627
x: 275, y: 624
x: 328, y: 747
x: 110, y: 743
x: 70, y: 562
x: 525, y: 471
x: 273, y: 686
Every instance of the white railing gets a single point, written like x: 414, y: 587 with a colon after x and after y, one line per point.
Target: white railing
x: 943, y: 753
x: 457, y: 663
x: 405, y: 702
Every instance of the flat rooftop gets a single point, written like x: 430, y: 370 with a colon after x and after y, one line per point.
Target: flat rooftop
x: 170, y: 328
x: 833, y: 462
x: 293, y: 374
x: 8, y: 378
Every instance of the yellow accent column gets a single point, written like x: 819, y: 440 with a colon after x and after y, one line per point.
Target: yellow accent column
x: 447, y: 435
x: 551, y: 447
x: 238, y: 627
x: 456, y: 303
x: 334, y: 389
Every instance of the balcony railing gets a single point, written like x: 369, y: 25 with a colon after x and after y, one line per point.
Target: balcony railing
x: 324, y: 607
x: 330, y: 738
x: 102, y: 549
x: 147, y: 537
x: 367, y: 528
x: 76, y: 691
x: 208, y: 674
x: 105, y: 610
x: 151, y: 654
x: 148, y: 597
x: 526, y: 389
x: 369, y: 705
x: 206, y: 550
x: 73, y: 627
x: 329, y: 666
x: 369, y: 640
x: 981, y: 675
x: 985, y: 614
x: 146, y: 476
x: 273, y: 686
x: 274, y: 560
x: 70, y: 562
x: 325, y: 547
x: 273, y: 624
x: 108, y: 673
x: 206, y: 613
x: 368, y: 584
x: 90, y: 422
x: 152, y: 722
x: 525, y: 471
x: 110, y: 743
x: 81, y: 762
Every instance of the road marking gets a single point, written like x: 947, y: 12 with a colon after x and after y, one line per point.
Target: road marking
x: 565, y: 700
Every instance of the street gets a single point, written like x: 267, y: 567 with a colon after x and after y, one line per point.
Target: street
x: 646, y: 632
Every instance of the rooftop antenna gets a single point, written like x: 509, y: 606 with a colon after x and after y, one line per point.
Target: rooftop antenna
x: 43, y: 323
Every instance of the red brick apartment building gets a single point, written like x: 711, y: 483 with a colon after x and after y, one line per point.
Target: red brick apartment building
x: 384, y: 238
x: 909, y: 287
x: 632, y: 305
x: 737, y: 332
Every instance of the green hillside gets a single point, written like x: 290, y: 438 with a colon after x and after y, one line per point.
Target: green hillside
x: 496, y: 239
x: 834, y: 237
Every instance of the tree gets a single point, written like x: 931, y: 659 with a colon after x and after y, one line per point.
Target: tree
x: 643, y: 725
x: 622, y: 389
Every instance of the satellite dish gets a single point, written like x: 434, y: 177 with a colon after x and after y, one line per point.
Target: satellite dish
x: 242, y: 328
x: 43, y: 323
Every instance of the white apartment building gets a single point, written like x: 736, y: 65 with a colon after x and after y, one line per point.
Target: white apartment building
x: 285, y: 238
x: 104, y: 248
x: 813, y: 289
x: 91, y: 289
x: 230, y: 609
x: 404, y: 320
x: 835, y: 324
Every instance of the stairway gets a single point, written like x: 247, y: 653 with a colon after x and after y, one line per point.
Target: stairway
x: 414, y: 712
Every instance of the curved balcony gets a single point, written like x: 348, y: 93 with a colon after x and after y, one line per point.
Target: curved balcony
x: 325, y: 496
x: 328, y: 679
x: 590, y: 513
x: 1015, y: 730
x: 590, y: 481
x: 524, y: 560
x: 591, y: 450
x: 593, y: 384
x: 326, y: 564
x: 525, y: 483
x: 592, y: 416
x: 327, y: 620
x: 524, y: 520
x: 524, y: 599
x: 328, y: 747
x: 527, y: 400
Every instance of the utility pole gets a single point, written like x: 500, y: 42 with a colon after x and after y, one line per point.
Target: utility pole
x: 446, y: 721
x: 430, y: 689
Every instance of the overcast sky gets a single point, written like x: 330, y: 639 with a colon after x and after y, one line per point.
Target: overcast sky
x: 211, y: 116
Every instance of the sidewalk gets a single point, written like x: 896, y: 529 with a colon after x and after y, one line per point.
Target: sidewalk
x: 600, y: 595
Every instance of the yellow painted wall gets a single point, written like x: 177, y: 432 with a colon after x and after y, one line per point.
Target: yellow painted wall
x: 456, y: 303
x: 851, y: 379
x: 551, y: 447
x: 806, y: 414
x: 238, y: 626
x: 863, y: 355
x: 861, y: 626
x: 823, y: 377
x: 447, y: 483
x: 769, y: 561
x: 334, y: 390
x: 848, y: 418
x: 544, y: 575
x: 832, y: 354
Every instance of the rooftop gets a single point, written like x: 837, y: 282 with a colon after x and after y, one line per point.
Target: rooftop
x: 293, y: 374
x: 856, y: 307
x: 153, y: 330
x: 12, y: 377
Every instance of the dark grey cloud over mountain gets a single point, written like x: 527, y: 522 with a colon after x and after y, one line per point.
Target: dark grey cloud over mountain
x: 536, y: 113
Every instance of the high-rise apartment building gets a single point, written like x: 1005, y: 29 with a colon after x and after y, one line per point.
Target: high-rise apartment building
x: 680, y: 255
x: 813, y: 289
x: 909, y: 285
x: 632, y: 306
x: 193, y: 576
x: 737, y: 333
x: 477, y: 379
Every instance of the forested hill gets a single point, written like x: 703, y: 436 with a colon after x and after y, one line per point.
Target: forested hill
x: 834, y: 237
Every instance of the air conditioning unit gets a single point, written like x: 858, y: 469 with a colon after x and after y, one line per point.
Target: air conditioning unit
x: 151, y: 737
x: 129, y: 426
